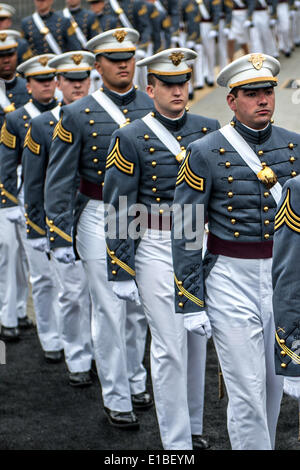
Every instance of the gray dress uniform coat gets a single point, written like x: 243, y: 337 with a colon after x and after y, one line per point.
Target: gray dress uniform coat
x: 59, y: 26
x: 140, y: 167
x: 87, y: 22
x: 239, y: 207
x: 17, y: 94
x: 13, y: 134
x: 285, y: 274
x: 80, y: 144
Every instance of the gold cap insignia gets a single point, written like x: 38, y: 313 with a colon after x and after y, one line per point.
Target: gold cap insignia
x: 257, y: 60
x: 120, y: 35
x: 43, y: 61
x: 77, y: 58
x: 3, y: 36
x: 176, y: 57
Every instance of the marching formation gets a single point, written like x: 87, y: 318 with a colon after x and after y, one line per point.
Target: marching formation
x: 131, y: 216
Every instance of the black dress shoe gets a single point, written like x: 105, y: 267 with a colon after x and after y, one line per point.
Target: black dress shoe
x: 10, y: 334
x: 209, y: 83
x: 122, y: 419
x: 198, y: 88
x: 53, y: 357
x: 199, y: 442
x: 142, y: 401
x: 25, y: 323
x: 80, y: 379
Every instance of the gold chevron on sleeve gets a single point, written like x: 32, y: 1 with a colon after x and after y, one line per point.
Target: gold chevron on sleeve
x: 287, y: 351
x: 9, y: 196
x: 35, y: 227
x: 33, y: 146
x: 186, y: 174
x: 62, y: 133
x: 59, y: 232
x: 116, y: 158
x: 187, y: 294
x: 7, y: 138
x: 286, y: 215
x: 120, y: 263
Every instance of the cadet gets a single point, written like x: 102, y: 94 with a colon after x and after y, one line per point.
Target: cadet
x: 142, y: 166
x: 238, y: 34
x: 235, y: 170
x: 6, y: 13
x: 14, y: 265
x: 258, y: 24
x: 286, y: 287
x: 80, y: 144
x: 47, y: 31
x: 41, y: 83
x: 84, y: 22
x: 73, y: 70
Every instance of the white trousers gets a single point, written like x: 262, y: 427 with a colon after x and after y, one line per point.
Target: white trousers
x: 75, y: 315
x: 239, y: 305
x: 261, y: 37
x: 14, y: 274
x: 176, y: 396
x: 222, y: 46
x: 119, y: 328
x: 284, y: 26
x: 237, y: 31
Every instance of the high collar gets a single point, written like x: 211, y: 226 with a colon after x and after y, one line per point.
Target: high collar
x: 9, y: 84
x: 120, y: 100
x: 47, y: 15
x: 44, y: 107
x: 171, y: 124
x: 75, y: 10
x: 252, y: 136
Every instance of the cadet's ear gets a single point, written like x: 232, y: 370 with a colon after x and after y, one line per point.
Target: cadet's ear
x: 150, y: 90
x: 231, y: 101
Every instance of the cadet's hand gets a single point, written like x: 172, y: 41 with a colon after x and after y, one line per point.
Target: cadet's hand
x: 273, y: 22
x: 127, y: 290
x: 198, y: 323
x: 15, y: 215
x: 226, y: 32
x: 248, y: 24
x: 213, y: 33
x: 291, y: 386
x: 64, y: 254
x: 39, y: 244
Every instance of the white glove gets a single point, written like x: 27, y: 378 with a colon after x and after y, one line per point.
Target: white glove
x: 291, y: 386
x: 213, y: 33
x: 127, y: 290
x: 272, y: 22
x: 292, y: 13
x: 39, y: 244
x: 226, y: 32
x: 198, y: 323
x: 64, y: 254
x: 15, y: 214
x: 248, y: 24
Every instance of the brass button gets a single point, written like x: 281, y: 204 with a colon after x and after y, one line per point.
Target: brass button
x: 152, y: 114
x: 153, y: 163
x: 292, y: 159
x: 157, y: 199
x: 227, y: 164
x: 221, y: 150
x: 179, y: 137
x: 230, y: 194
x: 25, y: 117
x: 283, y: 353
x: 283, y: 365
x: 151, y: 150
x: 87, y: 110
x: 180, y: 304
x: 94, y: 147
x: 27, y: 222
x: 3, y: 201
x: 266, y: 208
x: 10, y: 95
x: 28, y: 230
x: 146, y: 137
x: 266, y: 194
x: 282, y: 341
x: 154, y: 190
x: 266, y: 222
x: 112, y: 253
x: 187, y: 109
x: 102, y: 184
x: 272, y: 121
x: 92, y: 122
x: 180, y: 294
x: 291, y: 146
x: 233, y: 221
x: 94, y: 134
x: 125, y: 111
x: 52, y: 239
x: 114, y: 272
x: 26, y: 124
x: 263, y: 164
x: 2, y: 193
x: 51, y: 230
x: 95, y: 160
x: 236, y: 234
x: 99, y: 172
x: 260, y: 152
x: 161, y: 211
x: 113, y: 261
x: 232, y: 123
x: 266, y: 236
x: 182, y: 147
x: 229, y: 208
x: 293, y: 173
x: 204, y: 129
x: 180, y: 283
x: 51, y: 123
x: 230, y: 179
x: 154, y: 177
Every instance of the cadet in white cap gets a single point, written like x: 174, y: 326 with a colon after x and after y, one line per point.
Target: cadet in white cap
x: 142, y: 165
x: 82, y: 137
x: 240, y: 170
x: 41, y: 84
x: 6, y: 14
x: 73, y: 72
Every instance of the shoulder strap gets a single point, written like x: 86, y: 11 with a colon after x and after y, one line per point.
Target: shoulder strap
x: 120, y: 12
x: 48, y: 36
x: 80, y: 36
x: 32, y: 110
x: 203, y: 10
x: 110, y: 107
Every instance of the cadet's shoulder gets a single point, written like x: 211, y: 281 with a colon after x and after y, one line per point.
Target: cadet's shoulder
x: 14, y: 116
x: 45, y: 117
x: 142, y: 95
x: 294, y: 185
x: 199, y: 119
x: 26, y: 20
x: 131, y: 130
x: 78, y: 105
x: 290, y: 136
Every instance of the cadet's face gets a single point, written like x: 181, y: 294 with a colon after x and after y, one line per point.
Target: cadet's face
x: 73, y: 90
x: 43, y: 6
x: 42, y: 91
x: 5, y: 23
x: 254, y: 108
x: 116, y: 75
x: 8, y: 64
x: 170, y: 99
x: 73, y: 3
x: 97, y: 7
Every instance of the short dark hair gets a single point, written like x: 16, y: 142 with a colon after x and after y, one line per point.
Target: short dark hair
x: 151, y: 79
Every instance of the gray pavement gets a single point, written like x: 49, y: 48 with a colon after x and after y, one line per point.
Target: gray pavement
x: 212, y: 102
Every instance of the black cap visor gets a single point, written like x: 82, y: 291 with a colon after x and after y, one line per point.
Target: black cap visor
x: 119, y: 55
x: 173, y: 79
x: 82, y: 75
